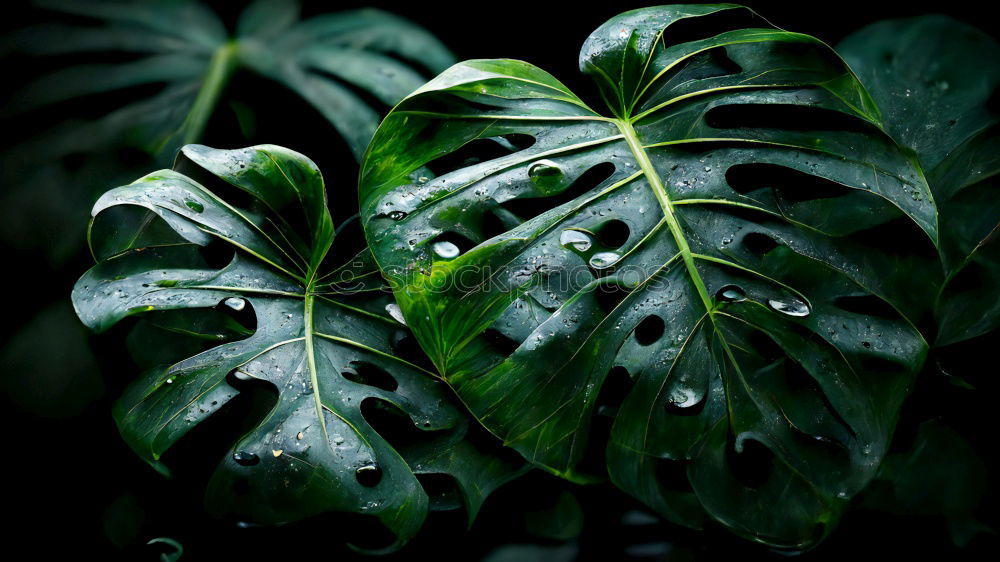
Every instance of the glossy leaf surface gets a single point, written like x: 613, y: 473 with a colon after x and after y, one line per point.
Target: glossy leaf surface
x: 693, y: 249
x: 936, y: 81
x: 340, y: 63
x: 278, y: 316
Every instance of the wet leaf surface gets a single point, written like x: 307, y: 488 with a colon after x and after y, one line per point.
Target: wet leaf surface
x: 239, y: 297
x: 701, y: 239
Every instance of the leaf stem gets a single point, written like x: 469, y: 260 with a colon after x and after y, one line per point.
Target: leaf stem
x: 220, y: 70
x: 668, y: 209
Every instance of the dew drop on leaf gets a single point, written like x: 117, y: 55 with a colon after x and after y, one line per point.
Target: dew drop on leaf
x: 245, y: 458
x: 235, y: 303
x: 601, y: 260
x: 395, y: 312
x: 789, y: 306
x: 575, y: 240
x: 446, y: 249
x: 731, y: 293
x: 546, y: 175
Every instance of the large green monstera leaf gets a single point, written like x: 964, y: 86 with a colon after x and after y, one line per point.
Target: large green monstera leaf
x: 185, y: 48
x: 699, y: 252
x: 936, y: 81
x: 325, y: 338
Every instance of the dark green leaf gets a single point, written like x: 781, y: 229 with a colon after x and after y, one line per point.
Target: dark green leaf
x: 323, y: 337
x: 700, y: 245
x: 939, y: 475
x: 184, y: 45
x: 936, y: 81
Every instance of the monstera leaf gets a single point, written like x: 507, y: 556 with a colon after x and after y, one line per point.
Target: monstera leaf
x: 186, y: 49
x: 936, y: 82
x: 324, y: 338
x: 701, y: 249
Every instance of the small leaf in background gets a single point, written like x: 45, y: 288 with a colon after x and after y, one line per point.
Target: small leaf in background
x: 562, y: 522
x: 937, y: 83
x: 939, y: 475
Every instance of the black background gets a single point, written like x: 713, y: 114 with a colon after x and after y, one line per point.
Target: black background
x: 73, y: 489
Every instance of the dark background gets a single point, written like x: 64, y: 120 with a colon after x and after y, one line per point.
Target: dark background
x: 73, y: 488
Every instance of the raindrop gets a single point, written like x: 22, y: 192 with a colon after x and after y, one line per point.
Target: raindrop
x: 731, y: 293
x: 194, y: 206
x: 545, y: 174
x: 790, y: 306
x: 602, y: 260
x: 395, y: 312
x: 575, y: 240
x: 245, y: 458
x: 397, y: 215
x: 446, y: 249
x: 368, y: 475
x: 235, y: 303
x: 683, y: 398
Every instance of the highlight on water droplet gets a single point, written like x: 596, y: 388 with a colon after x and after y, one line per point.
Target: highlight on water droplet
x: 790, y: 306
x: 446, y: 249
x: 575, y: 240
x: 245, y: 458
x: 235, y: 303
x: 602, y: 260
x: 545, y: 174
x: 731, y: 293
x: 683, y: 398
x: 394, y: 311
x: 397, y: 215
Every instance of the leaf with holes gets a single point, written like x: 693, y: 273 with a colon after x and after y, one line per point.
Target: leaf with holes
x: 276, y: 316
x: 706, y: 245
x: 937, y: 83
x: 350, y: 66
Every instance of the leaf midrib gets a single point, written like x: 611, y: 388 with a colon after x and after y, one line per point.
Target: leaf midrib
x: 656, y: 184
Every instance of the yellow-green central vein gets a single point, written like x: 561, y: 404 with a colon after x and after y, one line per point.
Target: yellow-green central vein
x: 668, y: 208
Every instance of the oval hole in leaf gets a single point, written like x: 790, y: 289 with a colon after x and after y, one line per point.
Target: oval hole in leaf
x: 527, y: 208
x: 650, y: 330
x: 366, y: 373
x: 753, y: 465
x: 790, y: 184
x: 759, y: 243
x: 785, y: 117
x: 614, y: 233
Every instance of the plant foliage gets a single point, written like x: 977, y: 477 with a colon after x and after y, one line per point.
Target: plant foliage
x: 936, y: 81
x: 279, y: 315
x: 697, y: 250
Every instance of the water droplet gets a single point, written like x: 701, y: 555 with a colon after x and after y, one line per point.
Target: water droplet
x: 194, y: 206
x: 731, y: 293
x: 397, y: 215
x: 235, y: 303
x: 545, y: 174
x: 790, y: 306
x: 575, y: 240
x: 245, y: 458
x: 395, y: 312
x: 446, y: 249
x: 299, y: 436
x: 601, y: 260
x: 683, y: 398
x: 368, y: 475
